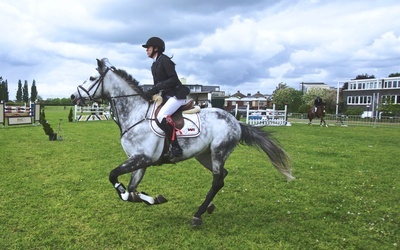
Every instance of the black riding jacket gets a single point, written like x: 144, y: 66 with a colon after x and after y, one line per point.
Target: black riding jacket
x: 166, y: 79
x: 318, y: 102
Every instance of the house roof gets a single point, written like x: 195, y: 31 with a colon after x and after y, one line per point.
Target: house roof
x: 238, y: 94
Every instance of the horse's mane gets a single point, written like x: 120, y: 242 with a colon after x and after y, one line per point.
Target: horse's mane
x: 130, y: 80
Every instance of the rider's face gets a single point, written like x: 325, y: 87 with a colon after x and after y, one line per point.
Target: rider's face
x: 149, y: 51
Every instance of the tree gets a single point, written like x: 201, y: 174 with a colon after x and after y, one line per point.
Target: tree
x: 34, y: 93
x: 3, y: 90
x: 394, y: 75
x: 327, y: 95
x: 287, y: 96
x: 18, y: 96
x: 364, y: 76
x: 25, y: 93
x: 280, y: 86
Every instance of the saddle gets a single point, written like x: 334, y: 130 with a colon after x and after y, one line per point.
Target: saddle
x: 186, y: 119
x: 177, y: 117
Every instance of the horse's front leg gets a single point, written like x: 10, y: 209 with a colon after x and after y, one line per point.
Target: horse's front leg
x: 136, y: 196
x: 137, y: 165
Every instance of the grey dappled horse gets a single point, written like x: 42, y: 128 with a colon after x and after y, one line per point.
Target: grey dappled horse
x: 219, y: 133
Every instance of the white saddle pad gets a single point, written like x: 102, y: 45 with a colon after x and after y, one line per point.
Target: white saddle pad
x: 191, y: 127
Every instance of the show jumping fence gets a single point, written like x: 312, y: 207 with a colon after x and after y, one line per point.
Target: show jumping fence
x: 267, y: 117
x: 19, y: 115
x: 92, y: 113
x: 348, y: 120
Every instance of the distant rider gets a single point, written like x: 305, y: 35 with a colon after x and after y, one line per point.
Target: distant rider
x: 317, y: 103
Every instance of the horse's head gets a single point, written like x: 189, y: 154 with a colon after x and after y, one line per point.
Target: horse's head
x: 92, y: 88
x: 107, y: 82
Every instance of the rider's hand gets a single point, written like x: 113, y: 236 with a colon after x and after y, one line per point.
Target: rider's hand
x: 151, y: 92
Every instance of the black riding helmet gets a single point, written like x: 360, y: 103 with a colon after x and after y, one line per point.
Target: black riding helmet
x: 155, y: 42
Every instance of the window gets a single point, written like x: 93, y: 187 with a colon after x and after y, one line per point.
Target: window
x: 351, y: 100
x: 384, y: 99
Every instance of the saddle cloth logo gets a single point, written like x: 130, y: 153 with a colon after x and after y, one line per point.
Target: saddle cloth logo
x: 191, y: 127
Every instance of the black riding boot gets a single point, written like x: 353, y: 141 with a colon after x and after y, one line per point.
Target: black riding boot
x: 175, y: 149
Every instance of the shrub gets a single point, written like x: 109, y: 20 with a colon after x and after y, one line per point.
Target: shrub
x: 354, y: 111
x: 304, y: 108
x: 46, y: 126
x: 70, y: 116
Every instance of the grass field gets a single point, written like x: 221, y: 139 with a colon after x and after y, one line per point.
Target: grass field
x: 56, y: 194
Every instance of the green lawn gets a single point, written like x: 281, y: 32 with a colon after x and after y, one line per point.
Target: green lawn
x: 56, y: 194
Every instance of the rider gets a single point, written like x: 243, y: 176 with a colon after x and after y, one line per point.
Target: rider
x: 166, y: 80
x: 317, y: 103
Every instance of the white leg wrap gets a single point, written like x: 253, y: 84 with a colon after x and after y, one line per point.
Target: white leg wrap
x: 122, y: 191
x: 146, y: 198
x: 125, y: 196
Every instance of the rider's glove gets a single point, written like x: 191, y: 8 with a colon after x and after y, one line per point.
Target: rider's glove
x: 149, y: 93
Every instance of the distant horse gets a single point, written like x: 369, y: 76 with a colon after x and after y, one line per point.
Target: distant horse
x: 210, y: 136
x: 320, y: 113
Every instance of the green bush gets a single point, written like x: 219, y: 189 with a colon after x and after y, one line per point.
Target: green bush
x: 354, y: 111
x: 304, y: 108
x: 70, y: 116
x: 46, y: 126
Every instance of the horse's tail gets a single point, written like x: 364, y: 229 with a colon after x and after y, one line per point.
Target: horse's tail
x: 254, y: 136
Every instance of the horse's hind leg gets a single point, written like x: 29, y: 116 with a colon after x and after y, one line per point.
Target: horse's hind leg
x: 219, y: 174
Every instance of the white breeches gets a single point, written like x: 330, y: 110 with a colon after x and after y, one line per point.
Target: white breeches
x: 170, y: 107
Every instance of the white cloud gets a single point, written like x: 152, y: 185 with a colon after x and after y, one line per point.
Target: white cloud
x: 246, y: 46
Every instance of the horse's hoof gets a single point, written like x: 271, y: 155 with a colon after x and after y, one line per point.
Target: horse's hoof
x: 210, y: 208
x: 160, y: 199
x: 196, y: 221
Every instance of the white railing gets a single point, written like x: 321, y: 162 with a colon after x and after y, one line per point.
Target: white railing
x: 91, y: 113
x: 348, y: 120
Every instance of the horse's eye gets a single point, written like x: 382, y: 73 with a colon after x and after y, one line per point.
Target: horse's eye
x: 92, y: 78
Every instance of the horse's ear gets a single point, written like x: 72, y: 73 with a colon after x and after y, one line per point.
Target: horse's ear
x: 99, y: 64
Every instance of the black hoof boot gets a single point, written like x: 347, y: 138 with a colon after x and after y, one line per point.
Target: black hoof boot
x: 196, y: 222
x: 210, y: 208
x: 160, y: 199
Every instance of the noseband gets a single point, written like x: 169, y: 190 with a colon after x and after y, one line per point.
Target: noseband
x: 95, y: 85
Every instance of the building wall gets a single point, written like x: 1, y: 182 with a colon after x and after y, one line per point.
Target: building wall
x: 367, y: 93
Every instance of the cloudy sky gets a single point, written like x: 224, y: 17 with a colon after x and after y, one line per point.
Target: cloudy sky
x: 240, y: 45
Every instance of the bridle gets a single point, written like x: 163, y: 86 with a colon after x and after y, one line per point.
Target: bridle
x: 96, y: 85
x: 99, y: 82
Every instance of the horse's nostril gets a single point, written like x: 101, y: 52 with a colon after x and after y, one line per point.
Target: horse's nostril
x: 72, y: 97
